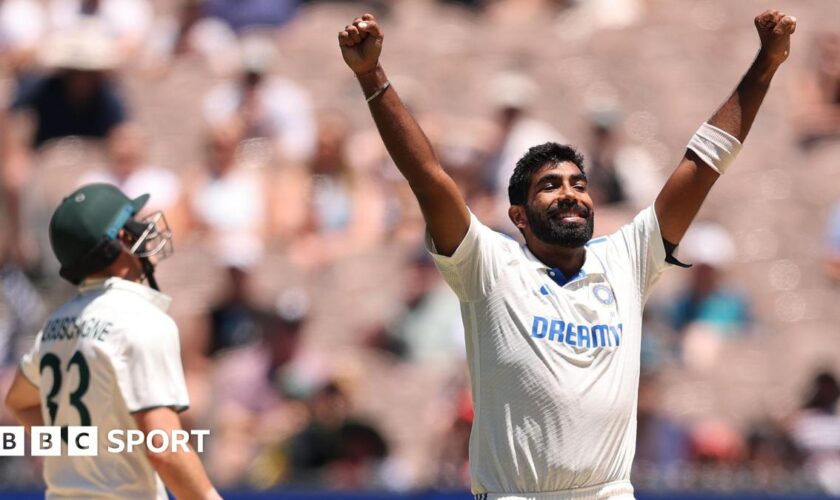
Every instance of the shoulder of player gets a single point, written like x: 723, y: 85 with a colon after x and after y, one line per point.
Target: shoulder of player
x: 597, y: 242
x: 640, y: 222
x: 506, y: 240
x: 158, y: 330
x: 616, y: 249
x: 496, y: 236
x: 605, y: 247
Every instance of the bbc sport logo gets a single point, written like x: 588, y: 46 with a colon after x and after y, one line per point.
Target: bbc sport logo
x: 83, y: 441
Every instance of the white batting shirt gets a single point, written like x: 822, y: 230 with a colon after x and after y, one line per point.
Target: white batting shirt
x: 554, y: 369
x: 107, y: 353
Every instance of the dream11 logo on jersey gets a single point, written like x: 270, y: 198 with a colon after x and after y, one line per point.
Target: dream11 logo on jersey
x: 82, y: 441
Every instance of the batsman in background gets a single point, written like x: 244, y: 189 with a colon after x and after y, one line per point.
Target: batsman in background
x: 553, y: 326
x: 110, y: 357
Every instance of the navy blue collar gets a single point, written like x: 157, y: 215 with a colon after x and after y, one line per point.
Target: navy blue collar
x: 558, y: 277
x: 591, y: 265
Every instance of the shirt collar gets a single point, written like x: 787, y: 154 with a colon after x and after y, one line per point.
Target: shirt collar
x: 158, y: 299
x: 591, y: 265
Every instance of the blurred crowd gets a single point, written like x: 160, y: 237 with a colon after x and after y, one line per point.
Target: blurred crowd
x: 320, y: 345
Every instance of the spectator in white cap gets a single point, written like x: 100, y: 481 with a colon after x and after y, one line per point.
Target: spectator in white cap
x: 709, y: 247
x: 125, y: 22
x: 708, y: 311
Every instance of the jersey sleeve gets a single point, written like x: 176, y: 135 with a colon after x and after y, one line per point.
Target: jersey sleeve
x: 474, y: 266
x: 152, y: 375
x: 642, y: 242
x: 29, y: 362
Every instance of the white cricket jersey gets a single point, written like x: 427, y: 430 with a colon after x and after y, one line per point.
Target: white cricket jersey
x: 109, y: 352
x: 554, y: 369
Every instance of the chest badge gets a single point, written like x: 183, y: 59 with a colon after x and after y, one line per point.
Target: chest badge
x: 603, y: 294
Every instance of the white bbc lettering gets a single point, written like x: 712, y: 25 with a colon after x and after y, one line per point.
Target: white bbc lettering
x: 83, y: 441
x: 156, y: 441
x: 199, y: 441
x: 133, y: 438
x: 164, y: 441
x: 115, y: 438
x: 180, y: 440
x: 46, y: 441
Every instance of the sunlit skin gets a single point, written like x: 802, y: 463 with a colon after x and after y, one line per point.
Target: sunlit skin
x: 556, y: 191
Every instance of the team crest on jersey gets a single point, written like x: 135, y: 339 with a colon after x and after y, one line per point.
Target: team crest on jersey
x: 603, y: 294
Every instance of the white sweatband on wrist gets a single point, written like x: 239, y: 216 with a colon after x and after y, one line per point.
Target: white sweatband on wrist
x: 717, y: 148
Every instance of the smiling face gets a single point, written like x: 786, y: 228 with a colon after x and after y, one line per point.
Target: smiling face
x: 558, y: 210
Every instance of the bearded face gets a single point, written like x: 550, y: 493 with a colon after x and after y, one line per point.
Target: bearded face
x: 559, y: 209
x: 566, y: 224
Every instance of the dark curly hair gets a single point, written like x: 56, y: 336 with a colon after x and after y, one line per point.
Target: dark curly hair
x: 549, y: 153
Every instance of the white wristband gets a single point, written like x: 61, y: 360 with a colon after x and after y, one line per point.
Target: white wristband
x: 717, y: 148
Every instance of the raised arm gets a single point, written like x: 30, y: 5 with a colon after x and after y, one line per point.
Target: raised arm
x: 682, y: 195
x: 440, y: 200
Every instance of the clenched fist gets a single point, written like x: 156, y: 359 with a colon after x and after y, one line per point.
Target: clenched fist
x: 361, y: 44
x: 774, y: 30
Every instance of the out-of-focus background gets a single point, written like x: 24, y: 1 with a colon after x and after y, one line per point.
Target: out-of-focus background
x: 320, y: 346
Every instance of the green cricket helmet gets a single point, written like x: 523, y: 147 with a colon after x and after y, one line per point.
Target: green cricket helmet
x: 85, y: 228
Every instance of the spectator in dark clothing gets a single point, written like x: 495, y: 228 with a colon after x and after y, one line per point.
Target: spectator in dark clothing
x: 235, y: 320
x: 603, y: 146
x: 824, y: 394
x: 815, y: 430
x: 476, y: 5
x: 770, y: 451
x: 619, y: 171
x: 71, y: 102
x: 77, y: 99
x: 336, y: 446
